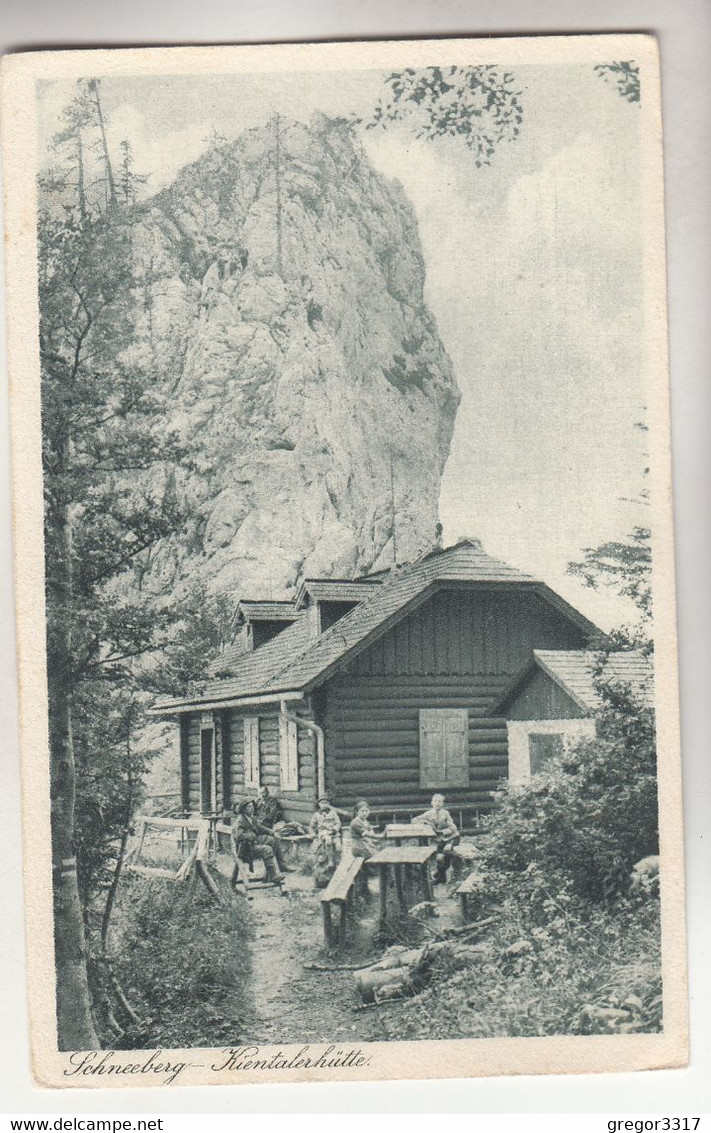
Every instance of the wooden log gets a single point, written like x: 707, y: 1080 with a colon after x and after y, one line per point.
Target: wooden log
x: 419, y: 680
x: 407, y: 699
x: 406, y: 794
x: 205, y: 876
x: 173, y: 823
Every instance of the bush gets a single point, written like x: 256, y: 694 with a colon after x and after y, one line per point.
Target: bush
x: 592, y: 814
x: 569, y: 968
x: 185, y: 965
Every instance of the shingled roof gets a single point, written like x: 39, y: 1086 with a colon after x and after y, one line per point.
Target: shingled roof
x: 335, y: 589
x: 296, y: 661
x: 259, y: 611
x: 574, y: 671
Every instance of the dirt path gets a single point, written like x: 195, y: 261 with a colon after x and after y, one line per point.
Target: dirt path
x: 294, y: 1003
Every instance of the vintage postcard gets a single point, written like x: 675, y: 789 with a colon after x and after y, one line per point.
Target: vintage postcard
x: 344, y: 561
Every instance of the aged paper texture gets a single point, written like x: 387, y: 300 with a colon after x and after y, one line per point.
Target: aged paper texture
x: 344, y: 561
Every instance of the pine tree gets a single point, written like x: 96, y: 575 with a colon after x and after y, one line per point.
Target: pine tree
x: 106, y: 504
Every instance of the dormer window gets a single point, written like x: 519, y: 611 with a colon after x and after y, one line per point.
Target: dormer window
x: 262, y: 621
x: 327, y: 600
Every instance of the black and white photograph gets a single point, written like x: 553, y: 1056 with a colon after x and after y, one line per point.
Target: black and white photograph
x: 344, y: 561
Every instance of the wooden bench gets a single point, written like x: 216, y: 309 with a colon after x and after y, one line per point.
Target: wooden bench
x: 468, y: 888
x: 294, y: 843
x: 339, y: 891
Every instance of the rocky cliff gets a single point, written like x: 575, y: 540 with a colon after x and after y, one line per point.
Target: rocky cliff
x: 283, y: 303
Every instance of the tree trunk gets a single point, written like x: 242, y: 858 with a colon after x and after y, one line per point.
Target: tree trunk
x: 81, y: 191
x: 113, y: 888
x: 75, y: 1026
x: 94, y: 88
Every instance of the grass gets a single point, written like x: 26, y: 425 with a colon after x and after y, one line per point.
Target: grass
x: 185, y: 966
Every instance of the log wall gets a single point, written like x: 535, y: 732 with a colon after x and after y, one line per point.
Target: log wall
x: 229, y: 740
x: 373, y: 739
x: 460, y: 650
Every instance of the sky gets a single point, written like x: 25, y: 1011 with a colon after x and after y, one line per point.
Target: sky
x: 533, y: 274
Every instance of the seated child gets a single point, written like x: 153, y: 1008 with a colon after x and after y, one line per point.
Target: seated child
x: 325, y: 831
x: 445, y: 832
x: 364, y: 837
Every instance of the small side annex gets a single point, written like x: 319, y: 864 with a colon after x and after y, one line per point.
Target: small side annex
x: 385, y: 687
x: 551, y: 704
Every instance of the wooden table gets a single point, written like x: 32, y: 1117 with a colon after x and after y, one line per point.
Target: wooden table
x: 400, y: 832
x: 402, y: 860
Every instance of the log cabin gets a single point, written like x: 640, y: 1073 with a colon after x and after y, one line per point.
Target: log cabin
x: 385, y: 687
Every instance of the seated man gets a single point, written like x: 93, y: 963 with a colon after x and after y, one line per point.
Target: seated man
x: 251, y: 839
x: 445, y: 832
x: 268, y: 809
x: 325, y: 830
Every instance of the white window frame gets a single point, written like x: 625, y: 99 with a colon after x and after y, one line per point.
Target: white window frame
x: 251, y: 753
x: 572, y: 730
x: 288, y: 754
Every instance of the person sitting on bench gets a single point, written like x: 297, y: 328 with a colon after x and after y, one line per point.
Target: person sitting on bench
x: 445, y: 832
x: 364, y: 837
x: 251, y: 840
x: 267, y: 809
x: 325, y: 831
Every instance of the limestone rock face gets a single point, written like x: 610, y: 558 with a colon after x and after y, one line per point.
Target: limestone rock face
x: 284, y: 306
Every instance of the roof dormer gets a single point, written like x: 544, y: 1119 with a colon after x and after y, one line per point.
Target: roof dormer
x: 327, y: 600
x: 261, y: 621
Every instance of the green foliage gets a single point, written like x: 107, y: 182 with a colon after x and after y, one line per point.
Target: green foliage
x: 591, y: 814
x: 563, y: 967
x: 185, y: 966
x: 624, y: 565
x: 110, y: 499
x: 476, y: 105
x: 625, y: 76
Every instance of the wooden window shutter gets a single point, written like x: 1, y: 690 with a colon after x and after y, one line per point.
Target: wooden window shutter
x: 288, y: 754
x: 444, y: 747
x: 456, y: 744
x: 251, y: 752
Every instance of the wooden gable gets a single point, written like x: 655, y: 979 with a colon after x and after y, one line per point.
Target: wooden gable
x: 541, y: 698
